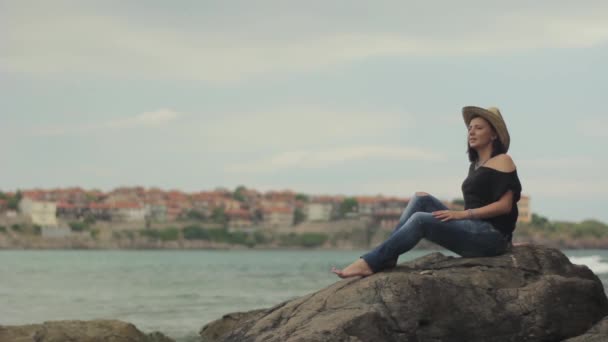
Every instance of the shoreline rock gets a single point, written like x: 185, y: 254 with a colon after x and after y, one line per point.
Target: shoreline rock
x: 598, y: 333
x: 532, y: 293
x: 79, y: 331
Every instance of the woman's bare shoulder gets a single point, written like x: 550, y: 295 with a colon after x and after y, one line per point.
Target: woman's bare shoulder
x: 502, y: 162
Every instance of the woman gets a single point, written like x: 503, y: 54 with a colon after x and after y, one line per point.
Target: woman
x: 491, y: 192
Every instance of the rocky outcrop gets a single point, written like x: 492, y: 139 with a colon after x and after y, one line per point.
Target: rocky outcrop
x: 598, y: 333
x: 532, y: 293
x: 79, y: 331
x: 216, y: 330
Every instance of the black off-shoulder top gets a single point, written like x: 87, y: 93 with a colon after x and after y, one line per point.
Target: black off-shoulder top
x: 487, y: 185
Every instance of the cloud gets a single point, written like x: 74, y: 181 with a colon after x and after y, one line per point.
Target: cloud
x: 300, y: 127
x: 326, y: 158
x: 147, y: 119
x: 561, y: 163
x: 237, y: 45
x: 442, y: 187
x: 153, y: 118
x: 593, y: 127
x: 566, y: 188
x: 447, y: 187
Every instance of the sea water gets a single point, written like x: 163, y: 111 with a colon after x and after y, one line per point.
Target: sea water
x: 175, y: 292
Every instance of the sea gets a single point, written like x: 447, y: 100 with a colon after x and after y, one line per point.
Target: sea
x: 174, y: 291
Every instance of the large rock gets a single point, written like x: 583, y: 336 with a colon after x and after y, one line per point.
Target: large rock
x: 532, y: 293
x: 78, y: 331
x: 598, y: 333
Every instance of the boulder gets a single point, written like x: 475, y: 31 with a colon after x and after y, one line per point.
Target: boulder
x: 531, y: 293
x: 79, y: 331
x: 598, y: 333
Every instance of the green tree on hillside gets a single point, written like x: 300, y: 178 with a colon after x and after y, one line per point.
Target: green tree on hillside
x: 302, y: 197
x: 196, y: 233
x: 539, y: 221
x: 77, y: 226
x: 298, y: 216
x: 349, y: 205
x: 90, y: 197
x: 219, y: 216
x: 195, y: 215
x: 238, y: 194
x: 13, y: 202
x: 592, y: 228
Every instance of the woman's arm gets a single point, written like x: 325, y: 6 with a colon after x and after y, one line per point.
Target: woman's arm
x: 500, y: 207
x: 503, y: 163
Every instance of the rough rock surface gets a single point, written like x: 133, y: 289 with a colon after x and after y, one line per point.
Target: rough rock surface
x: 532, y: 293
x: 598, y: 333
x: 78, y: 331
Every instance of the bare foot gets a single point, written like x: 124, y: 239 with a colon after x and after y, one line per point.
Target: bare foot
x: 357, y: 268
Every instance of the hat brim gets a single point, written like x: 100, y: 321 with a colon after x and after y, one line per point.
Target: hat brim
x: 469, y: 112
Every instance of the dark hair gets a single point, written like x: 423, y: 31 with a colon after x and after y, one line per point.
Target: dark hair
x: 497, y: 146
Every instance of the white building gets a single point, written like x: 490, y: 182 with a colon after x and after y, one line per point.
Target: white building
x: 156, y: 212
x: 318, y: 211
x: 128, y: 212
x: 525, y: 215
x: 278, y: 217
x: 41, y: 213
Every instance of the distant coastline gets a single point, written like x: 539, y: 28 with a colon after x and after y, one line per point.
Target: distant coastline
x: 243, y: 218
x: 338, y: 235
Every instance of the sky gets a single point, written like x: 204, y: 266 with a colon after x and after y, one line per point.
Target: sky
x: 320, y: 97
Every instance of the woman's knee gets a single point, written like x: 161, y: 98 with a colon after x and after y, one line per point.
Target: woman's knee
x: 420, y: 196
x: 415, y: 224
x: 421, y: 218
x: 425, y: 222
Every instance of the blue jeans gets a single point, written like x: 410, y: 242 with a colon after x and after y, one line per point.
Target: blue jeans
x: 468, y: 238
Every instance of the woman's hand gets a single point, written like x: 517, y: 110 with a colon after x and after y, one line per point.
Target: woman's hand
x: 448, y: 215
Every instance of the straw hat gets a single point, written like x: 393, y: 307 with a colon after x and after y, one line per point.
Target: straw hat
x: 492, y: 115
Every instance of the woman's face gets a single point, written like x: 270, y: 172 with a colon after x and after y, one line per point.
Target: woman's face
x: 481, y: 133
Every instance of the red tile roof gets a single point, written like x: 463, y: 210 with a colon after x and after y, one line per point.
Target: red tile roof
x: 174, y: 211
x: 327, y: 199
x: 65, y: 205
x: 238, y: 213
x: 33, y: 194
x: 277, y: 210
x: 99, y: 206
x: 367, y: 200
x: 207, y: 196
x: 126, y: 205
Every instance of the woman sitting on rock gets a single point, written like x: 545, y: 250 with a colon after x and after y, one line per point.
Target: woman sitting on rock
x: 490, y: 192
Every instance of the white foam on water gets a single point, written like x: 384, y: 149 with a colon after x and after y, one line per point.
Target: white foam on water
x: 594, y: 262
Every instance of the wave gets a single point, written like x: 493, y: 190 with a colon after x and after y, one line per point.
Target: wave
x: 594, y: 262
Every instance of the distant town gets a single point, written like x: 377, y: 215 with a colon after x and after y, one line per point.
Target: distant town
x: 149, y: 218
x: 59, y: 212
